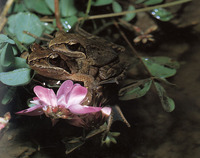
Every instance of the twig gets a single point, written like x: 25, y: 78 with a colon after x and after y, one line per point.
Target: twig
x: 45, y: 19
x: 57, y: 15
x: 86, y: 12
x: 3, y: 21
x: 126, y: 39
x: 133, y: 49
x: 3, y: 18
x: 45, y: 34
x: 36, y: 37
x: 134, y: 11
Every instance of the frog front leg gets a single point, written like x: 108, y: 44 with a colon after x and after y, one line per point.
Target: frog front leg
x: 113, y: 72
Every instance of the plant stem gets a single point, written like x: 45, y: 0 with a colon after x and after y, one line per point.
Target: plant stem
x: 3, y: 18
x: 133, y: 49
x: 57, y: 15
x: 88, y: 7
x: 86, y: 12
x: 134, y: 11
x: 36, y: 37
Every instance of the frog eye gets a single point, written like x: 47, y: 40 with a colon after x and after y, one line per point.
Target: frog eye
x: 75, y: 47
x: 57, y: 61
x: 54, y: 59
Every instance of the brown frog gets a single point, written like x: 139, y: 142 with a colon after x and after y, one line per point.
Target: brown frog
x: 79, y: 57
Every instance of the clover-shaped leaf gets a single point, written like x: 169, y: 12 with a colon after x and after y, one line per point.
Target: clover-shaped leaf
x: 18, y: 6
x: 110, y: 138
x: 129, y: 16
x: 50, y: 4
x: 20, y: 63
x: 6, y: 56
x: 5, y: 39
x: 67, y: 8
x: 8, y: 95
x: 48, y: 28
x: 16, y: 77
x: 116, y: 7
x: 161, y: 67
x: 101, y: 2
x: 153, y: 2
x: 135, y: 90
x: 25, y: 22
x: 139, y: 1
x: 162, y: 14
x: 38, y: 6
x: 167, y: 103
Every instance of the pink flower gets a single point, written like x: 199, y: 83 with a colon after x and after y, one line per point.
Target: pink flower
x: 66, y: 104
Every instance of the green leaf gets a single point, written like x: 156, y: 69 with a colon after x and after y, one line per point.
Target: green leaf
x: 18, y: 7
x: 1, y: 68
x: 73, y: 145
x: 135, y: 90
x: 25, y: 22
x: 48, y: 28
x: 19, y: 46
x: 166, y: 61
x: 38, y: 6
x: 130, y: 16
x: 164, y: 80
x: 50, y: 4
x: 15, y: 51
x: 167, y: 103
x: 7, y: 56
x: 8, y: 95
x: 101, y: 2
x: 162, y: 14
x: 67, y: 8
x: 16, y: 77
x: 116, y: 7
x: 139, y: 1
x: 153, y: 2
x: 110, y: 138
x: 161, y: 67
x: 20, y: 63
x: 5, y: 39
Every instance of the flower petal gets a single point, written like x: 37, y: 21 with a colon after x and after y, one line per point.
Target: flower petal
x: 106, y: 111
x: 36, y: 101
x: 80, y: 109
x: 46, y: 95
x: 63, y: 91
x: 32, y: 111
x: 65, y: 88
x: 76, y: 96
